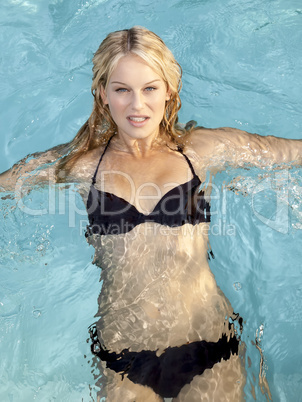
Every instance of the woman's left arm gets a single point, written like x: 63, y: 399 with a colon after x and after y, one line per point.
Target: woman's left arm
x: 237, y: 148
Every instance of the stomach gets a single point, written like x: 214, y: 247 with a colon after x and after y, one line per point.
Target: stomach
x: 157, y: 289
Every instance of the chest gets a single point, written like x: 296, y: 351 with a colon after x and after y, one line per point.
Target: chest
x: 143, y: 182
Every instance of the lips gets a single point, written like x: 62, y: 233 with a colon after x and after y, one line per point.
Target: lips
x: 137, y: 121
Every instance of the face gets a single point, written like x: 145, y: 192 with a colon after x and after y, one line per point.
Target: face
x: 136, y: 96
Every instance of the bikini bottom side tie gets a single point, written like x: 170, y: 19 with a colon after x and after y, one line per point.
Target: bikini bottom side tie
x: 168, y: 373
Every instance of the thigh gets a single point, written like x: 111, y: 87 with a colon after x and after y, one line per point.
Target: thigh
x: 224, y: 382
x: 121, y: 389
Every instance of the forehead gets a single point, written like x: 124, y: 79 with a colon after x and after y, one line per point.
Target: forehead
x: 132, y: 68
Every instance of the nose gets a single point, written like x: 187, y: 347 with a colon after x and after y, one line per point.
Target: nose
x: 137, y: 100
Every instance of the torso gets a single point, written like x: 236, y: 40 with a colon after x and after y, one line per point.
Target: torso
x: 157, y: 290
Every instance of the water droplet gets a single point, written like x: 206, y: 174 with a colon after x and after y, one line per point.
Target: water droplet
x: 37, y: 313
x: 40, y: 247
x: 237, y: 286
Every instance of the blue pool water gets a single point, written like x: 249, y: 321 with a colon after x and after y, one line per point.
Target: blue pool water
x: 242, y: 63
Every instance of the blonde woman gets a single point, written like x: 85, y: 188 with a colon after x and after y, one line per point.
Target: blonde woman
x: 165, y: 329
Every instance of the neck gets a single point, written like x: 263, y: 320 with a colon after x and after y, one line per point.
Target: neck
x: 139, y: 147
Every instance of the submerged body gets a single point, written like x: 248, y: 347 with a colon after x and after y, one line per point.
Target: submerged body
x: 158, y: 291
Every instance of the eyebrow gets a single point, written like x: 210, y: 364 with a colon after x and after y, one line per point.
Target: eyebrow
x: 122, y: 83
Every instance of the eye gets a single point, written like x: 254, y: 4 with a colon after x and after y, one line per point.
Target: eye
x: 149, y: 89
x: 121, y: 90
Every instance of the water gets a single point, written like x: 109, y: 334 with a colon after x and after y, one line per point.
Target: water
x: 242, y: 63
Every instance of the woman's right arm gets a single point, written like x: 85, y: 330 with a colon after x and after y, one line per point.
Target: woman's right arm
x: 35, y: 169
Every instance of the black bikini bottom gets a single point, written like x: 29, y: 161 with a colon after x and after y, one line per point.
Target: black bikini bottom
x: 175, y: 367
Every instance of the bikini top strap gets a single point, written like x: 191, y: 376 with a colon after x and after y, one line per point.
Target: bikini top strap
x: 179, y: 149
x: 98, y: 165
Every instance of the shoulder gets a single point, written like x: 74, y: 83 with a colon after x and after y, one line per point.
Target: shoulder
x: 213, y: 134
x: 85, y: 166
x: 205, y: 141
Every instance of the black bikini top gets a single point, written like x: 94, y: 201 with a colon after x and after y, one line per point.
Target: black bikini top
x: 110, y: 214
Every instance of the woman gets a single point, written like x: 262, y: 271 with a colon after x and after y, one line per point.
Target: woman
x: 165, y: 329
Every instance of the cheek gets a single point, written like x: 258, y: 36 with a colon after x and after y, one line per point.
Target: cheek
x: 116, y: 104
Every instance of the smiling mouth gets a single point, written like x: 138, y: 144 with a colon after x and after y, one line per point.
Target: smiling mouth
x: 137, y: 119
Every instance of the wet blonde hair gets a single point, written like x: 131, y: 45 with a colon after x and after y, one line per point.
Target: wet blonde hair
x: 100, y: 126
